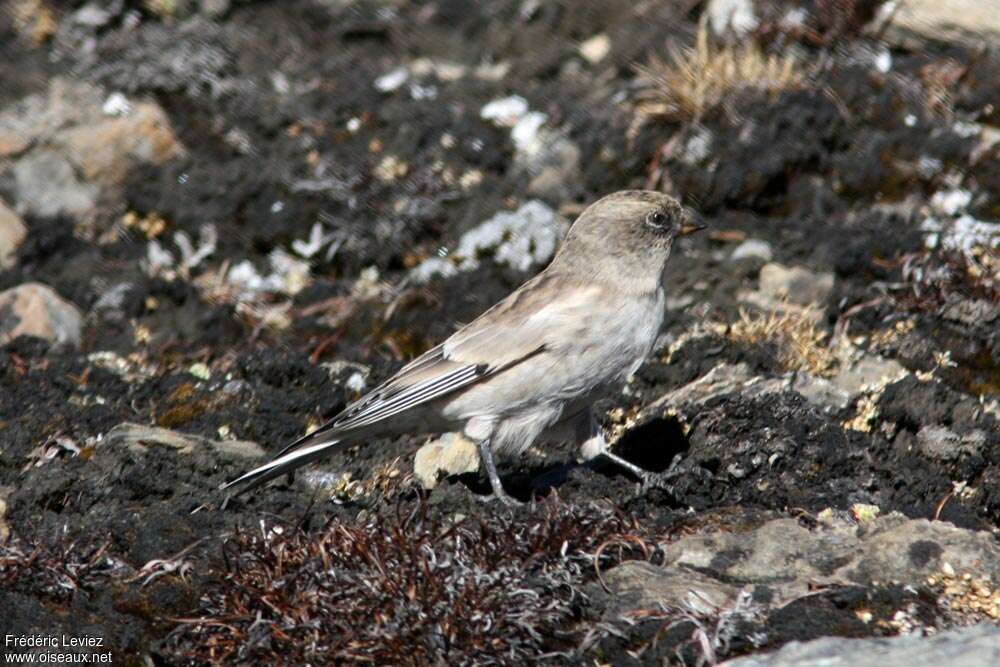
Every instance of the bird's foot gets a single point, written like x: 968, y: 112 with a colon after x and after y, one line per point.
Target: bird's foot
x: 660, y: 480
x: 489, y: 467
x: 657, y: 480
x: 649, y: 480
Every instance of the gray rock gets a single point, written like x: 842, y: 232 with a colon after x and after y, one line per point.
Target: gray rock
x: 243, y: 449
x: 798, y: 285
x: 595, y: 49
x: 68, y: 143
x: 353, y: 376
x: 788, y: 558
x: 821, y: 392
x: 938, y: 442
x: 642, y: 585
x: 34, y: 309
x: 973, y: 22
x: 753, y: 248
x: 139, y: 438
x: 215, y: 8
x: 731, y: 16
x: 976, y: 646
x: 104, y: 148
x: 451, y: 454
x: 855, y: 376
x: 971, y: 312
x: 12, y: 234
x: 721, y: 380
x: 92, y: 15
x: 235, y: 387
x: 47, y: 186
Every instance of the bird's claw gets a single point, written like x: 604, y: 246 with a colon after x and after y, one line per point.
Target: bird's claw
x: 656, y: 480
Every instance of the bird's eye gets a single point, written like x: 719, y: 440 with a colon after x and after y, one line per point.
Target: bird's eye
x: 656, y: 220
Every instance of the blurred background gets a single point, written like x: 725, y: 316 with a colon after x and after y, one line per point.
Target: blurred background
x: 220, y: 220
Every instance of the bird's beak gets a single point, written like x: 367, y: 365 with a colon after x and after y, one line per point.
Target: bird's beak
x: 691, y: 223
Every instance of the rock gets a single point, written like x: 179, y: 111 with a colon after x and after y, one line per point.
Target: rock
x: 754, y: 248
x: 139, y: 438
x: 34, y: 309
x: 215, y: 8
x: 66, y: 144
x: 821, y: 392
x: 963, y: 647
x: 521, y: 239
x: 969, y: 21
x: 642, y: 585
x: 505, y: 111
x: 92, y: 16
x: 788, y: 558
x: 392, y: 80
x: 943, y: 444
x: 595, y: 49
x: 106, y: 149
x: 721, y: 380
x: 971, y: 312
x: 798, y: 285
x: 242, y: 449
x: 735, y: 16
x: 352, y: 375
x: 12, y: 234
x: 870, y: 370
x: 47, y: 186
x: 451, y: 454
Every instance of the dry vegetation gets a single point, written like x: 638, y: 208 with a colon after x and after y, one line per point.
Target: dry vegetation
x: 56, y: 570
x: 693, y: 80
x: 407, y: 589
x: 32, y: 19
x: 931, y: 278
x: 800, y: 343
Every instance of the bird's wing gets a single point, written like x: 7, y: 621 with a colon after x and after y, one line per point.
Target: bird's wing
x: 516, y: 329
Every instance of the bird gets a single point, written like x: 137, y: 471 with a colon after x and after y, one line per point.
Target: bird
x: 529, y: 368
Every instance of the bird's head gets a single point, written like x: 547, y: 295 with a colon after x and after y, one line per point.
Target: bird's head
x: 629, y: 232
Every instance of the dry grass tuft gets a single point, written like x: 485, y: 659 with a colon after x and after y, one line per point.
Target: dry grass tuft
x: 800, y: 343
x: 931, y: 278
x: 693, y: 80
x: 56, y: 570
x: 33, y: 20
x: 407, y: 589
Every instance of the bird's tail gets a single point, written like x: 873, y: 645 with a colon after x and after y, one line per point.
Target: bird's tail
x: 285, y: 462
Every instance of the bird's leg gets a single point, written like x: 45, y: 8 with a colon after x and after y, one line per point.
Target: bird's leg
x: 641, y: 473
x: 486, y: 458
x: 595, y: 445
x: 652, y: 480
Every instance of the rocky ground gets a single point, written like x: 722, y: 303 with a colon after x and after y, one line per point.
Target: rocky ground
x: 221, y: 220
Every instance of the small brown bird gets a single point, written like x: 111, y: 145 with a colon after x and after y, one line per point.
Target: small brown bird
x: 530, y: 367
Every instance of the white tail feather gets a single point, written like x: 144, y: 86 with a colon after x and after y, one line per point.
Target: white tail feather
x: 285, y: 463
